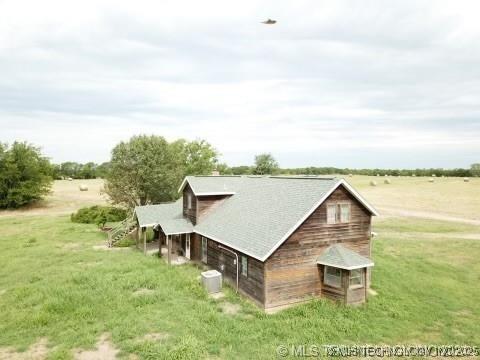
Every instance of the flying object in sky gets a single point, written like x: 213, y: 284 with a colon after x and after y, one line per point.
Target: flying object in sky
x: 269, y: 22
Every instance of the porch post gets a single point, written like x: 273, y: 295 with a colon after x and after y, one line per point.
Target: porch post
x: 137, y: 236
x: 365, y: 284
x: 159, y: 244
x: 145, y: 242
x: 169, y: 248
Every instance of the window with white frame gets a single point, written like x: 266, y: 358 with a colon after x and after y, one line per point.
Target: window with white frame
x: 189, y: 201
x: 356, y: 278
x: 331, y: 213
x: 332, y: 277
x: 244, y: 265
x: 338, y: 213
x: 344, y: 212
x: 204, y: 249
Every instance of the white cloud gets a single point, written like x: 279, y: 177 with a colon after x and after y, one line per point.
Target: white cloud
x: 339, y: 77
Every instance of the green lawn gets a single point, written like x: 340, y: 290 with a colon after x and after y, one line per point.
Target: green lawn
x: 53, y: 284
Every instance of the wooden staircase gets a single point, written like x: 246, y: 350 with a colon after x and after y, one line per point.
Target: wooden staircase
x: 120, y: 231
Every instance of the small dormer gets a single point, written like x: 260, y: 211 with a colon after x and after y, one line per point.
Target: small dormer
x: 189, y: 204
x: 200, y: 196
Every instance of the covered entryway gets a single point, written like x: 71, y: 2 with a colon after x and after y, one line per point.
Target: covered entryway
x: 175, y: 247
x: 172, y: 231
x: 344, y: 275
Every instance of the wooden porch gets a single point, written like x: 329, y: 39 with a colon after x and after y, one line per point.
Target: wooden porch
x: 176, y: 248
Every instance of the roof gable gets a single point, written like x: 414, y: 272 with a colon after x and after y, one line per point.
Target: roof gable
x: 263, y: 212
x: 340, y: 257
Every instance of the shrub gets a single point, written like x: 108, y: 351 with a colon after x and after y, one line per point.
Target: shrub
x: 25, y: 175
x: 99, y: 215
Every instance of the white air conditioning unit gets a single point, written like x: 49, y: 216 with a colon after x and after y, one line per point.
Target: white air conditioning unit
x: 212, y: 281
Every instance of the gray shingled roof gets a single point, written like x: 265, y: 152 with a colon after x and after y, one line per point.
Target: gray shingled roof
x: 169, y: 216
x: 340, y: 257
x: 213, y: 184
x: 262, y: 212
x: 258, y: 216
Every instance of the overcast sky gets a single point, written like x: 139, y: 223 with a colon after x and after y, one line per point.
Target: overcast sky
x: 333, y: 83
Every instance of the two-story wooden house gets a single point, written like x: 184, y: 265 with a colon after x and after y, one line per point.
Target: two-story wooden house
x: 278, y: 240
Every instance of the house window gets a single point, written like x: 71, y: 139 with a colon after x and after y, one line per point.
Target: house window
x: 344, y: 212
x: 356, y: 278
x: 333, y: 277
x: 338, y: 213
x: 204, y: 249
x: 331, y: 213
x: 189, y: 201
x: 244, y: 265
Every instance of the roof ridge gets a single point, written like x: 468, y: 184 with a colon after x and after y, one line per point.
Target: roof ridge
x: 216, y: 176
x: 303, y: 177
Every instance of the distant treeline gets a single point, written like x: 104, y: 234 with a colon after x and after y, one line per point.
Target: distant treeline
x: 312, y: 170
x: 75, y: 170
x: 92, y: 170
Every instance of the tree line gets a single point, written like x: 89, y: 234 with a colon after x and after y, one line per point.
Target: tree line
x: 74, y: 170
x: 148, y: 169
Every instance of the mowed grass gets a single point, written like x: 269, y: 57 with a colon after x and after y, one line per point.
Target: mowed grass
x: 53, y: 284
x: 65, y: 197
x: 445, y: 196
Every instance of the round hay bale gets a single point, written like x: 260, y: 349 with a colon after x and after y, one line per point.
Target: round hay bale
x: 466, y: 179
x: 83, y: 187
x: 378, y: 174
x: 433, y: 175
x: 373, y: 183
x: 350, y: 175
x: 69, y: 179
x: 431, y: 180
x: 387, y: 181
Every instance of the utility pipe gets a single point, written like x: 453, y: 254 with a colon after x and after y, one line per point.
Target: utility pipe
x: 236, y: 259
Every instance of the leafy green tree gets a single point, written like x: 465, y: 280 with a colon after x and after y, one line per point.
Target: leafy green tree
x: 200, y: 157
x: 102, y: 170
x: 223, y: 169
x: 148, y: 169
x: 475, y: 169
x: 88, y: 171
x: 241, y: 170
x: 265, y: 164
x: 25, y: 175
x: 70, y: 169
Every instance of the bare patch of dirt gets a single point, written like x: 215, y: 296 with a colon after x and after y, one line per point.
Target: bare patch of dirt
x: 37, y: 351
x: 230, y: 309
x: 105, y: 350
x: 106, y: 248
x: 143, y: 292
x: 463, y: 313
x: 217, y: 296
x: 72, y: 246
x: 387, y: 211
x: 155, y: 337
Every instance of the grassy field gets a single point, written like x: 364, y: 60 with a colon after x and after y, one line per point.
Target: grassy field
x: 65, y: 198
x: 445, y: 199
x: 59, y: 295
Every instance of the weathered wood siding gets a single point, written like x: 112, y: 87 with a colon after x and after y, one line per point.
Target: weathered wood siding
x: 191, y: 214
x: 195, y: 247
x: 292, y: 274
x: 356, y: 295
x: 206, y: 204
x: 252, y: 285
x: 331, y: 292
